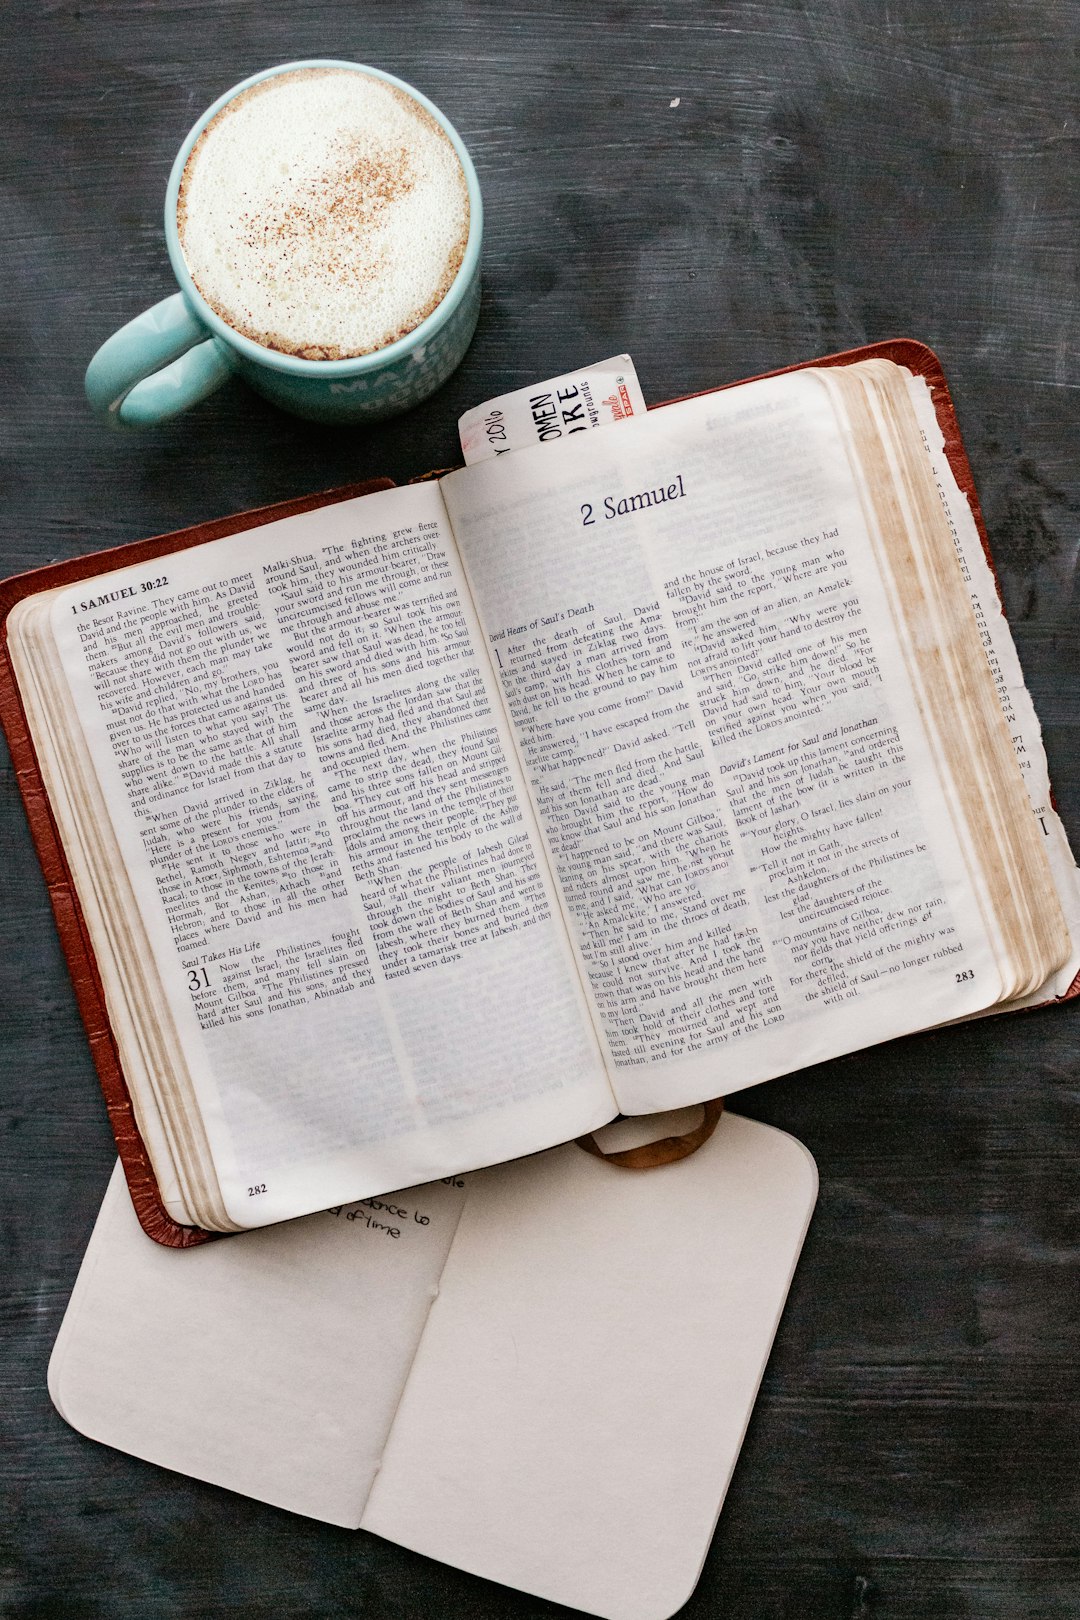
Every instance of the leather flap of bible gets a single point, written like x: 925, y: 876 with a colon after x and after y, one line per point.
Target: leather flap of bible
x: 403, y: 831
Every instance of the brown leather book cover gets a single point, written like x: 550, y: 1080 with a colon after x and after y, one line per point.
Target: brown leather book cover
x: 156, y: 1222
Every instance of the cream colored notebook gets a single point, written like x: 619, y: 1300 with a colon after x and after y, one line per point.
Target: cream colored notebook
x: 544, y: 1377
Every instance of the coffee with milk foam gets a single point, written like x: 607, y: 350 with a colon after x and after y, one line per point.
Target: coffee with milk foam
x: 323, y: 213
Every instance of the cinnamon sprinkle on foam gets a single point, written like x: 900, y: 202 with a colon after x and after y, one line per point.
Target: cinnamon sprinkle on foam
x: 323, y: 213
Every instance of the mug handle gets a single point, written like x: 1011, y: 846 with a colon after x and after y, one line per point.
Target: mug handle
x: 156, y: 366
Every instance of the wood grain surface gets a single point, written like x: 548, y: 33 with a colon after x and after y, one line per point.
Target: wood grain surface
x: 720, y: 189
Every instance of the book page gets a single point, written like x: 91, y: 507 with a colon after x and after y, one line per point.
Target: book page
x: 310, y: 780
x: 270, y: 1363
x: 736, y: 787
x: 1008, y: 676
x: 584, y: 1381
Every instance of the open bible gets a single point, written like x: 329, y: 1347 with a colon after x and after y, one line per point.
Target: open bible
x: 429, y: 828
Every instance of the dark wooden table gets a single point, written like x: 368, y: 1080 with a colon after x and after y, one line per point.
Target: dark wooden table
x: 720, y: 189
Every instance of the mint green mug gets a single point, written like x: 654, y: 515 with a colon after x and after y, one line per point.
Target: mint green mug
x: 177, y: 353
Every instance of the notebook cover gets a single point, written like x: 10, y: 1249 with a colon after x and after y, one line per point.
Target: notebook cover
x: 155, y: 1220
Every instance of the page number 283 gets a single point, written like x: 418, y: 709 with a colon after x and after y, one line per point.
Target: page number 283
x: 965, y: 973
